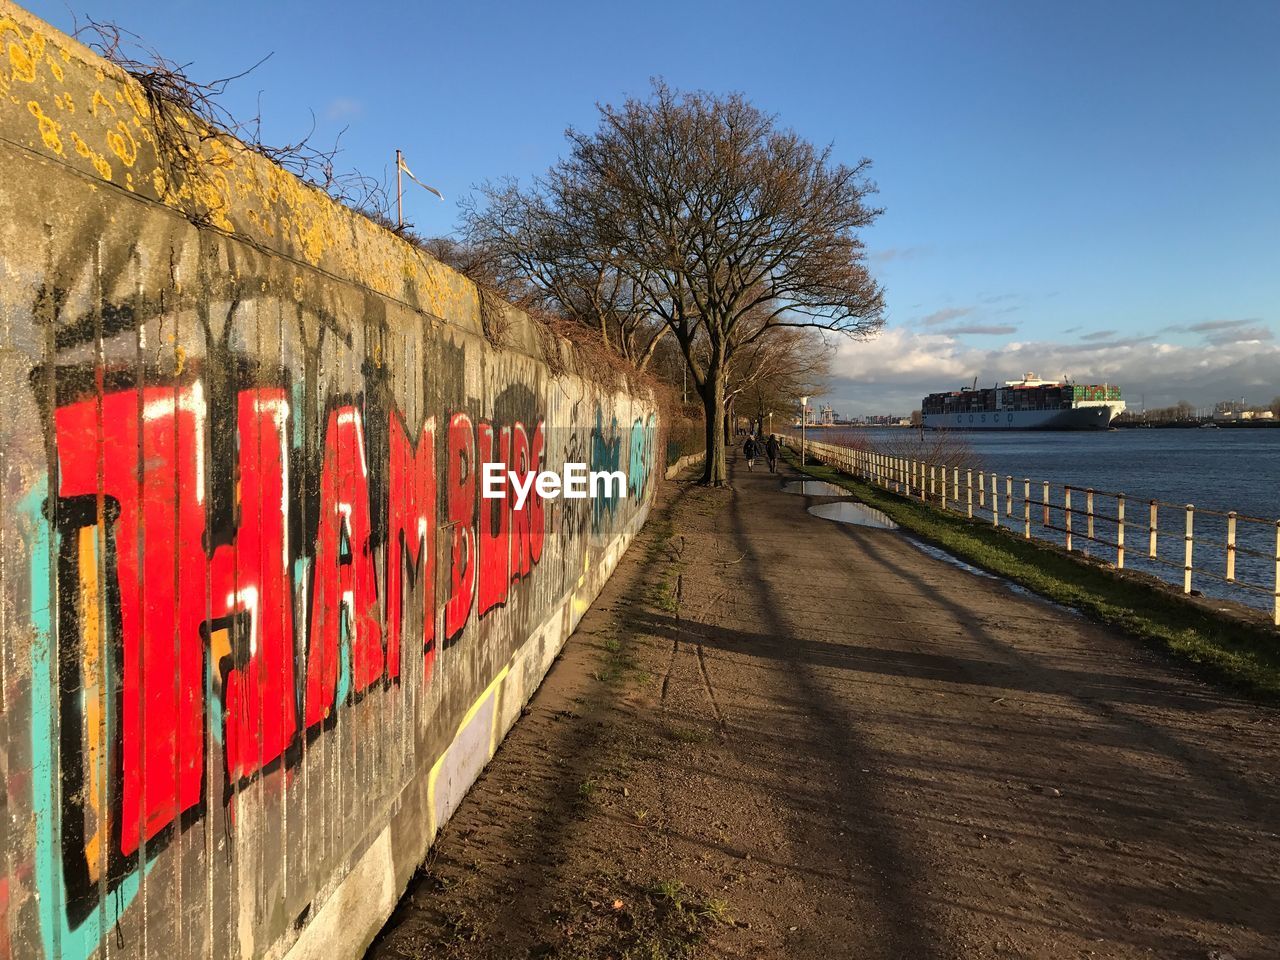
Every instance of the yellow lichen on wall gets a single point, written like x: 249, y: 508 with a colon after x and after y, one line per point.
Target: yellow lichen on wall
x: 49, y: 128
x: 122, y: 143
x: 117, y: 138
x: 22, y: 55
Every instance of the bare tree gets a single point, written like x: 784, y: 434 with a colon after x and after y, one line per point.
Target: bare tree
x: 768, y: 377
x: 531, y: 254
x: 725, y: 226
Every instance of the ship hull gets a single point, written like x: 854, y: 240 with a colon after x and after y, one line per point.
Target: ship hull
x: 1091, y: 417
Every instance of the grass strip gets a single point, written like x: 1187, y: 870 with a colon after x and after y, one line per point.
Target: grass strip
x: 1242, y: 655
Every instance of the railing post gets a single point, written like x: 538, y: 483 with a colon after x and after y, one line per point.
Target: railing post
x: 933, y: 481
x: 1189, y: 540
x: 955, y: 481
x: 944, y: 486
x: 1045, y: 502
x: 982, y: 490
x: 1275, y: 614
x: 1120, y: 531
x: 995, y: 502
x: 1008, y: 496
x: 1231, y: 545
x: 1026, y: 507
x: 1088, y: 509
x: 1066, y: 510
x: 1153, y: 549
x: 969, y: 484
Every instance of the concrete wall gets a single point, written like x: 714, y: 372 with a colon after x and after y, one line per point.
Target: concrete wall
x: 258, y: 633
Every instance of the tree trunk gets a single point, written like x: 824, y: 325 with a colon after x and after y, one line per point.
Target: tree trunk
x: 714, y: 470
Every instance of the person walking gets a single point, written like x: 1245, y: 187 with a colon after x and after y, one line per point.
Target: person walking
x: 750, y: 450
x: 771, y: 450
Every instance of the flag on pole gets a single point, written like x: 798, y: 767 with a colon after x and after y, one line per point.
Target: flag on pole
x: 409, y: 173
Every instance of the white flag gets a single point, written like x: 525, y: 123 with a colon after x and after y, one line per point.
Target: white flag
x: 405, y: 167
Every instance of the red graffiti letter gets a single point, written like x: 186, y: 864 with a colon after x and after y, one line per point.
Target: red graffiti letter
x: 146, y: 454
x: 411, y: 537
x: 461, y: 514
x: 344, y: 602
x: 521, y: 547
x: 494, y: 526
x: 249, y: 581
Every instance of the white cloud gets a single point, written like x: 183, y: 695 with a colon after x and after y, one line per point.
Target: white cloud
x: 343, y: 107
x: 893, y: 372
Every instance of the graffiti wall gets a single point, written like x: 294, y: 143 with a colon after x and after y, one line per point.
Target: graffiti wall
x: 260, y: 631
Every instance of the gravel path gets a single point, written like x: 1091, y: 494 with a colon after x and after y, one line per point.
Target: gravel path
x: 780, y: 736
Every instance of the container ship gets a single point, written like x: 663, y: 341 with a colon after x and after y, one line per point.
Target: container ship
x: 1026, y: 404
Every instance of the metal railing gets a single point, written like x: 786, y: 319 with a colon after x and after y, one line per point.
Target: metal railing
x: 1177, y: 542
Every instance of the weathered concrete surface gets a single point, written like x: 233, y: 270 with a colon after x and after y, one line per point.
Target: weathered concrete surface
x: 259, y: 634
x: 859, y: 750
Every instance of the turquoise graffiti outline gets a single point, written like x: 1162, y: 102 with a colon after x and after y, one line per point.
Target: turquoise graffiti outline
x: 81, y: 942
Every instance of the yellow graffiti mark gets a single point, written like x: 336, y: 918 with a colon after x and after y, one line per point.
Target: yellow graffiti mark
x: 48, y: 127
x: 54, y: 67
x: 492, y: 691
x: 122, y: 143
x: 65, y: 102
x: 95, y: 843
x: 180, y: 356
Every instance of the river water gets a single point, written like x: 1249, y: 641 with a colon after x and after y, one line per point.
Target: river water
x: 1222, y: 469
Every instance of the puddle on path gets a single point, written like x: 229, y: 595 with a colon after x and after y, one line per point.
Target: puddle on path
x: 846, y: 511
x: 1017, y: 588
x: 814, y: 488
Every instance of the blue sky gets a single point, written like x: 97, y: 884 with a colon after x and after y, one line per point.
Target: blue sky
x: 1083, y: 188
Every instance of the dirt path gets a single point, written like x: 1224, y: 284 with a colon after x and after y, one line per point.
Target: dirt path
x: 779, y: 736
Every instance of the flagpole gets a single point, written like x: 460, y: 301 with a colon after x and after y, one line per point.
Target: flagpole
x: 399, y: 192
